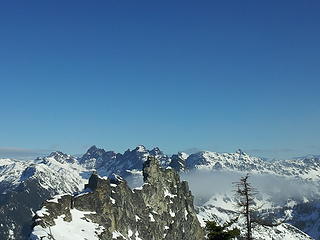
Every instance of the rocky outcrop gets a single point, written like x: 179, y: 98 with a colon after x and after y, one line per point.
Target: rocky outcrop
x: 161, y: 209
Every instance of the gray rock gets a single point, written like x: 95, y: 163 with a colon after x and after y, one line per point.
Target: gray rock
x: 161, y: 209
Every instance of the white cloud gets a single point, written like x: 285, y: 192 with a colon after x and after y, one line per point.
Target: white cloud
x: 22, y: 153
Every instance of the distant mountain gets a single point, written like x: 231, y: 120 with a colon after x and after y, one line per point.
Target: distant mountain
x: 303, y: 168
x: 108, y: 162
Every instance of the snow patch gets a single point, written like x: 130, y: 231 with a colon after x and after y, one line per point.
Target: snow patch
x: 168, y: 194
x: 81, y: 228
x: 151, y: 217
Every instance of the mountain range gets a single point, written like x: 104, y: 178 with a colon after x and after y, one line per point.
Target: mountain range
x: 25, y: 185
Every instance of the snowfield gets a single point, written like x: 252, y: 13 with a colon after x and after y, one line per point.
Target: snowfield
x: 80, y: 228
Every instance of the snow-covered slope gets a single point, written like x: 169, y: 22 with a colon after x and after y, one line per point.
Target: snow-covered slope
x: 58, y: 172
x: 24, y: 185
x: 221, y: 208
x: 80, y: 227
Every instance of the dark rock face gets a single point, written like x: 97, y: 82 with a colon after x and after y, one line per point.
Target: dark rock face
x: 177, y: 163
x: 161, y: 209
x: 97, y: 158
x: 16, y: 209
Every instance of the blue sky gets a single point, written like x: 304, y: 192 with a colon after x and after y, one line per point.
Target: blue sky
x: 215, y: 75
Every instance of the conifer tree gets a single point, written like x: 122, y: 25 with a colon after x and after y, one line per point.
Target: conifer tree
x: 245, y: 195
x: 216, y: 232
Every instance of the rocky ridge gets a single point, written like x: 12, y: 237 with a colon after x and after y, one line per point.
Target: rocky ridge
x: 161, y: 209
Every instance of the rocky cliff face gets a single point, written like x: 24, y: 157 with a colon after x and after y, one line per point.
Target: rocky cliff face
x: 108, y: 209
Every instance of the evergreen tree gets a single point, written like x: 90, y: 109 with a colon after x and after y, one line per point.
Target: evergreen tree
x: 245, y: 198
x: 216, y: 232
x: 245, y: 195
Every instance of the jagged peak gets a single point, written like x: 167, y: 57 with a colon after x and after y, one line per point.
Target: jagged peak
x: 156, y: 151
x: 140, y: 148
x: 58, y: 154
x: 59, y: 157
x: 94, y: 149
x: 151, y: 163
x: 153, y: 172
x: 94, y: 152
x: 95, y: 181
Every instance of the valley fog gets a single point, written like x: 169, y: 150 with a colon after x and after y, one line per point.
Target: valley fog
x: 205, y: 184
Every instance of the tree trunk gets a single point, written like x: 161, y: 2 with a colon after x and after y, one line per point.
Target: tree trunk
x: 249, y: 237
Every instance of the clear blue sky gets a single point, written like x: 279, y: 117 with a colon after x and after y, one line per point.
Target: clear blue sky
x: 215, y: 75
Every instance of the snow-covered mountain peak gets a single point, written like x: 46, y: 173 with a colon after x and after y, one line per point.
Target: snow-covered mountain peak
x: 183, y: 155
x: 47, y: 171
x: 5, y: 161
x: 228, y: 161
x: 60, y: 157
x: 58, y: 154
x: 140, y: 148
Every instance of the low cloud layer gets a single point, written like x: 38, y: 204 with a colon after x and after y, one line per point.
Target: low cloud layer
x: 22, y: 153
x: 205, y: 184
